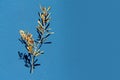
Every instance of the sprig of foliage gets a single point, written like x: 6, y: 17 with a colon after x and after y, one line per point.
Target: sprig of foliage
x: 34, y: 46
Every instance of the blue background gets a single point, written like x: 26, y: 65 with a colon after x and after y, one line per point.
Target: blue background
x: 86, y: 43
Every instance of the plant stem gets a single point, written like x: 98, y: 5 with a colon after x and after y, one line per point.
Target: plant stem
x: 32, y: 64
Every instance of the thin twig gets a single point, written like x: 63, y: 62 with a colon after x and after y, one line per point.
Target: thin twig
x: 32, y: 64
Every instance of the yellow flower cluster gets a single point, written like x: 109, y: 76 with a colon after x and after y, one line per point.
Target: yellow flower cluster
x: 45, y: 15
x: 29, y: 40
x: 45, y: 19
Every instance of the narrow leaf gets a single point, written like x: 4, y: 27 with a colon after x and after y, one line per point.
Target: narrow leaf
x: 39, y: 14
x: 47, y: 26
x: 42, y: 52
x: 35, y: 61
x: 36, y: 64
x: 26, y: 65
x: 48, y: 8
x: 47, y: 42
x: 47, y: 35
x: 20, y: 55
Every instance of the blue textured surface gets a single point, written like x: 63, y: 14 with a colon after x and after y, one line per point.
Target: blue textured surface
x: 86, y: 43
